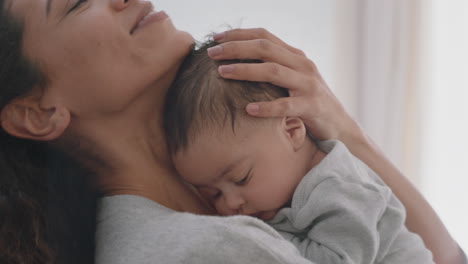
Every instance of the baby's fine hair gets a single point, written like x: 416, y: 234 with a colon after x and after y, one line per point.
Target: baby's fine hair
x: 201, y: 99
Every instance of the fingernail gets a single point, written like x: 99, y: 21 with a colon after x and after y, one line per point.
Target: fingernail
x: 253, y: 108
x: 223, y: 69
x: 215, y: 51
x: 219, y: 36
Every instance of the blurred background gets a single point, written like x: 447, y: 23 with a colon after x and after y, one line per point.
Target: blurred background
x: 400, y: 67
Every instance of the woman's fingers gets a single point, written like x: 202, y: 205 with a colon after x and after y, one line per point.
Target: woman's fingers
x: 251, y: 34
x: 310, y: 97
x: 257, y: 49
x: 287, y: 106
x: 265, y: 72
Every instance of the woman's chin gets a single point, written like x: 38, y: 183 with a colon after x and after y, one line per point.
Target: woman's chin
x: 186, y: 40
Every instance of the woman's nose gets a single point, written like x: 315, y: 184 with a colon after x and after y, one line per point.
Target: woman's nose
x: 119, y: 5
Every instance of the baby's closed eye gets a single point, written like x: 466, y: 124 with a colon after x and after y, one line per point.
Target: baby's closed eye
x: 245, y: 179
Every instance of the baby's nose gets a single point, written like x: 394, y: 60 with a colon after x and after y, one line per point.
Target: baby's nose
x: 233, y: 203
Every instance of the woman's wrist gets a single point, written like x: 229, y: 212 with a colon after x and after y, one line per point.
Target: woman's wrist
x: 354, y: 137
x: 463, y: 258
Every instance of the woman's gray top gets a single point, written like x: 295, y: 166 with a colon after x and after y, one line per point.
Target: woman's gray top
x: 133, y: 229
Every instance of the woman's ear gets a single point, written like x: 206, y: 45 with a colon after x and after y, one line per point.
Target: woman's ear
x: 295, y: 131
x: 25, y: 118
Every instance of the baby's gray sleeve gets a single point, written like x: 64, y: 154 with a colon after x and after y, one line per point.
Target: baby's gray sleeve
x: 340, y: 223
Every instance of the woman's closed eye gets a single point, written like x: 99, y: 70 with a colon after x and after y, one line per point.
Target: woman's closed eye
x: 76, y: 5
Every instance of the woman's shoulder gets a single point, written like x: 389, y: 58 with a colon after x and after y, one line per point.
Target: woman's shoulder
x: 133, y: 229
x: 132, y: 215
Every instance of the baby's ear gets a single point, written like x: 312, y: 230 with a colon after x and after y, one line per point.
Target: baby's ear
x: 25, y: 118
x: 295, y: 131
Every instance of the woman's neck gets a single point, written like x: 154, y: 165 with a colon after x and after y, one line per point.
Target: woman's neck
x: 128, y: 153
x: 138, y: 164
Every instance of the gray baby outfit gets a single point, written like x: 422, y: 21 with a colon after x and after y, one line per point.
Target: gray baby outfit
x: 342, y: 212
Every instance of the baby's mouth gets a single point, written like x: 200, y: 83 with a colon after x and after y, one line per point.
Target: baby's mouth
x: 266, y: 216
x: 256, y: 215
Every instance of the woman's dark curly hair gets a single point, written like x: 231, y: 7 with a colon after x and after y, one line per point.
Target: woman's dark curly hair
x: 47, y: 211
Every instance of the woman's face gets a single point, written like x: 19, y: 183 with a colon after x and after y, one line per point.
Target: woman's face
x: 99, y: 55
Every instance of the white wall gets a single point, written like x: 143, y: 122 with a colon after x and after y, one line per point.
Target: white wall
x: 445, y: 136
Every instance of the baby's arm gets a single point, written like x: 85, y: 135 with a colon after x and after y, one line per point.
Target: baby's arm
x: 340, y: 215
x: 335, y: 223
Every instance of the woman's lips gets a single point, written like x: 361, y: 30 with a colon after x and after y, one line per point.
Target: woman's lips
x: 151, y: 17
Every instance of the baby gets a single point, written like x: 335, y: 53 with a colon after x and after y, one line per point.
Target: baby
x: 315, y: 194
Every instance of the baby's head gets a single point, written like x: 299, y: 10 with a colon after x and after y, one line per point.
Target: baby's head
x: 242, y: 164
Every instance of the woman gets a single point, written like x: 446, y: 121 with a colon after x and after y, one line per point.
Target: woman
x: 87, y: 80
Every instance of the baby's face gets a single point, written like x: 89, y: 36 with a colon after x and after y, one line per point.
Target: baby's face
x: 253, y: 172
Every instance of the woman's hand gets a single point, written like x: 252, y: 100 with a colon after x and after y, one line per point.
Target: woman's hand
x: 285, y: 66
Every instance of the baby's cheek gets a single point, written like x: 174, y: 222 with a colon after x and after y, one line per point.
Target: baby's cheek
x: 279, y: 197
